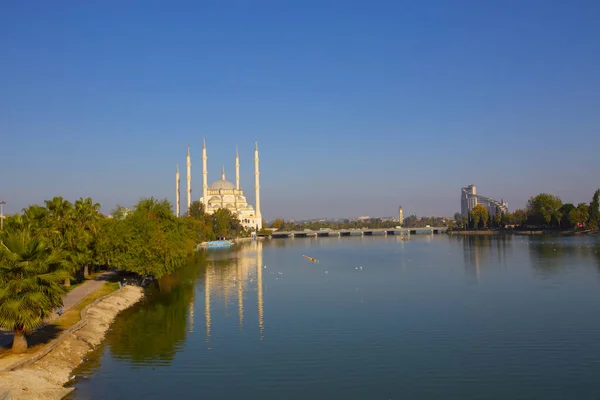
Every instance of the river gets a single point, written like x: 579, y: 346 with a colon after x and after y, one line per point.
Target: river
x: 475, y: 317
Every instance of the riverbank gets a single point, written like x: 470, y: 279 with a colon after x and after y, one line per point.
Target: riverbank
x: 43, y: 378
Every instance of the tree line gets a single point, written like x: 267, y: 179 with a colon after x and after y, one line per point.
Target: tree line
x: 544, y: 211
x: 412, y: 221
x: 46, y: 248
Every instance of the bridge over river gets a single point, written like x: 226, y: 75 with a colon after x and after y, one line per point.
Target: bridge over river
x: 358, y: 232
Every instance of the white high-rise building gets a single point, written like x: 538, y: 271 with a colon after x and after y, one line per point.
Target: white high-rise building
x: 469, y: 199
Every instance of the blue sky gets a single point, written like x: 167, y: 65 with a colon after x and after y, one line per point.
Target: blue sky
x: 358, y: 107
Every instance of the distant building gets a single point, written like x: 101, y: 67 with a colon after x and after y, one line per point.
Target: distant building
x: 400, y: 215
x: 469, y: 199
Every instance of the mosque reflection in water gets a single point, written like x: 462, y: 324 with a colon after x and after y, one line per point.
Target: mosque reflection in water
x: 231, y: 275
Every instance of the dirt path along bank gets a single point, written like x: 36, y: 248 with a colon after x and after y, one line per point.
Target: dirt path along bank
x: 44, y: 378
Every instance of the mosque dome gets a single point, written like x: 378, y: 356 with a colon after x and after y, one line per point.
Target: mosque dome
x: 222, y: 184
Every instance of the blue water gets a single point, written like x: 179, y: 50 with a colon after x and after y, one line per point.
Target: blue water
x: 513, y: 317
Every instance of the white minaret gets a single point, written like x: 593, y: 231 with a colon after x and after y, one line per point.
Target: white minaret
x: 177, y: 191
x: 204, y: 176
x: 237, y: 169
x: 257, y: 188
x: 189, y: 180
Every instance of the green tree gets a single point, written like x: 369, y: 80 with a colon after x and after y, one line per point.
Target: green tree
x: 498, y: 218
x: 479, y: 215
x: 543, y: 209
x: 225, y: 224
x: 580, y: 215
x: 278, y: 223
x: 520, y: 217
x: 199, y: 224
x: 35, y: 218
x: 87, y: 220
x: 59, y: 227
x: 594, y: 212
x: 196, y: 210
x: 31, y: 276
x: 150, y: 241
x: 566, y: 221
x: 458, y: 219
x: 475, y: 217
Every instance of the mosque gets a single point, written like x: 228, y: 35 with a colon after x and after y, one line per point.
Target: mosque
x: 224, y: 194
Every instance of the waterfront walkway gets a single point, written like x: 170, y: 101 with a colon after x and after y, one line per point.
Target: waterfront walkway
x: 70, y: 300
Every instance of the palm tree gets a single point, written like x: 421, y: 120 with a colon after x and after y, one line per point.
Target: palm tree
x: 87, y: 217
x: 35, y: 218
x: 31, y: 274
x: 62, y: 235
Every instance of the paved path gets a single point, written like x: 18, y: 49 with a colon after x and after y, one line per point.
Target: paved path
x: 70, y: 300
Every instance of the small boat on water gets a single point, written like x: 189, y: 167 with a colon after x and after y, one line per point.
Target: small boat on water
x: 310, y: 259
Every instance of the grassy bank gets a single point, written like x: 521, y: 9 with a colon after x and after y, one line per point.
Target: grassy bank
x: 42, y: 336
x: 73, y: 315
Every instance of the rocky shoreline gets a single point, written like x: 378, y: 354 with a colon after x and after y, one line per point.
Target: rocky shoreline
x: 45, y: 377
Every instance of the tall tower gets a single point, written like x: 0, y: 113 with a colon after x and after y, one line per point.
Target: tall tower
x: 400, y: 216
x: 204, y: 176
x: 257, y: 188
x: 237, y: 169
x: 189, y: 180
x: 177, y: 191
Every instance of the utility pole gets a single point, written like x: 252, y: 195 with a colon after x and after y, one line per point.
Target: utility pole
x: 2, y: 203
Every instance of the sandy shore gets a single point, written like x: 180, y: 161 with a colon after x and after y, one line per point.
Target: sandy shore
x: 44, y: 379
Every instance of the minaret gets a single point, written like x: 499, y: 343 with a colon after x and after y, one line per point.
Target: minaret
x: 257, y: 188
x: 237, y: 175
x: 237, y: 169
x: 204, y: 176
x: 189, y: 180
x: 177, y: 191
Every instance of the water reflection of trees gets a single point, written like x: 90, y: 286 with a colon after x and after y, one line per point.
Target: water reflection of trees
x: 152, y: 331
x: 551, y: 255
x: 547, y: 254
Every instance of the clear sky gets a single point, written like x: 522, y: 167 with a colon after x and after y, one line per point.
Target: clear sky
x: 358, y: 107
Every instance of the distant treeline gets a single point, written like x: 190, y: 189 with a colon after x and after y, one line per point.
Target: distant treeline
x: 411, y: 221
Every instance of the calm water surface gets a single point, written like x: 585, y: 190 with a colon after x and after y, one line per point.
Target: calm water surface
x: 375, y: 318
